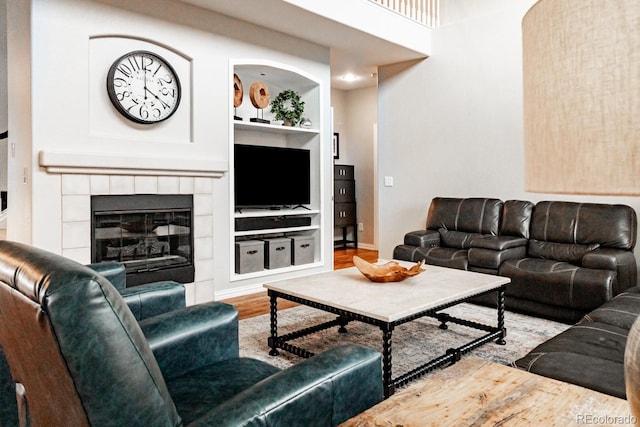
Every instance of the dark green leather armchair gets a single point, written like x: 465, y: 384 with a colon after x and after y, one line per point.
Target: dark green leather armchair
x: 144, y: 301
x: 80, y: 357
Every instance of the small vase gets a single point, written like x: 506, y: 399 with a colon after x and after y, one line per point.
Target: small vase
x: 287, y: 123
x: 632, y: 368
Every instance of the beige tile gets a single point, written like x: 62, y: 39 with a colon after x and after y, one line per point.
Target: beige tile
x: 168, y: 185
x: 76, y: 234
x: 121, y: 184
x: 146, y: 185
x: 76, y: 208
x: 75, y: 184
x: 99, y: 184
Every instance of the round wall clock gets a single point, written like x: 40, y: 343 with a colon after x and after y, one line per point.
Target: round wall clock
x: 143, y: 87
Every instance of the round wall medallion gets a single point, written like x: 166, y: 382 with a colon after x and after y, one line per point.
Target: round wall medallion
x: 238, y: 91
x: 143, y: 87
x: 259, y: 95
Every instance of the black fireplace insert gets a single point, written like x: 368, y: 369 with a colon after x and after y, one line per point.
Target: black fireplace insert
x: 150, y: 234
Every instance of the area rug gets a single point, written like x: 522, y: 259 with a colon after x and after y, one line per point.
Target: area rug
x: 413, y: 344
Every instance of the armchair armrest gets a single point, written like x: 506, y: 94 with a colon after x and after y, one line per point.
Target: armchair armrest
x: 422, y: 238
x: 621, y: 261
x: 324, y: 390
x: 199, y: 335
x: 152, y: 299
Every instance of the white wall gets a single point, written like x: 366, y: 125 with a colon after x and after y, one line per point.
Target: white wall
x: 70, y: 108
x: 451, y: 125
x: 3, y: 96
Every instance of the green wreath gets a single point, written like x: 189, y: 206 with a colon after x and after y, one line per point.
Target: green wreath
x: 288, y: 111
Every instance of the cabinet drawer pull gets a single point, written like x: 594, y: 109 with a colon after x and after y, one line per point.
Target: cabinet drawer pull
x: 253, y: 252
x: 280, y: 248
x: 306, y: 245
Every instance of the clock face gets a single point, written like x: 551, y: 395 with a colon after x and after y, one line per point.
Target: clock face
x: 143, y: 87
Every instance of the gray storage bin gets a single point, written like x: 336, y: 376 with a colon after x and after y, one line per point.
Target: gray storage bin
x: 302, y: 250
x: 249, y: 256
x: 277, y: 252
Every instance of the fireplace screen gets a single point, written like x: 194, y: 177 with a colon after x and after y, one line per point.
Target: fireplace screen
x: 150, y: 234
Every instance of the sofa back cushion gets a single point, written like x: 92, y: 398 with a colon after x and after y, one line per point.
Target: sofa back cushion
x: 516, y: 218
x: 472, y: 215
x: 566, y: 252
x: 457, y: 239
x: 612, y: 226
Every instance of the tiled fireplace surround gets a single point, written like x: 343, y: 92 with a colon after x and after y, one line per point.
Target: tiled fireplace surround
x: 77, y: 190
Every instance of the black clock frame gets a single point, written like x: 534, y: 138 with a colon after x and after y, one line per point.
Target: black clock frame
x: 114, y: 98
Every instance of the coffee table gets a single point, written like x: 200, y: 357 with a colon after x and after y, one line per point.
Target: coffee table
x: 479, y: 393
x: 351, y: 296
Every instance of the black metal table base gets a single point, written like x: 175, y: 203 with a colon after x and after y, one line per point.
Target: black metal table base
x: 451, y: 356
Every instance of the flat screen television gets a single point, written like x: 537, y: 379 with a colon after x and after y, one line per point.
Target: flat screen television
x: 271, y: 177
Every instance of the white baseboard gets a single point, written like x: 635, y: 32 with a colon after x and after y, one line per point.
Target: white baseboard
x: 239, y: 292
x: 368, y: 246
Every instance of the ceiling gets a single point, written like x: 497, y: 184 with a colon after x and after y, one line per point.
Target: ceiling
x: 352, y: 51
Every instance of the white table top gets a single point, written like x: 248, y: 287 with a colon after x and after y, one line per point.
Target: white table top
x: 349, y: 290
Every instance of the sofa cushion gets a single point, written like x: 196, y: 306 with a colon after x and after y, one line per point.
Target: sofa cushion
x: 499, y: 243
x: 472, y: 215
x: 621, y: 311
x: 198, y: 392
x: 444, y: 257
x: 457, y: 239
x: 586, y: 371
x: 565, y: 252
x: 565, y: 357
x: 612, y: 226
x: 516, y: 217
x: 488, y: 258
x: 558, y: 283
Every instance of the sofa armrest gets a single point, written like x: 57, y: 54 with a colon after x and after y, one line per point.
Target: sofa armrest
x: 422, y: 238
x: 621, y: 261
x: 152, y: 299
x: 489, y: 252
x: 113, y: 271
x: 324, y: 390
x: 498, y: 243
x: 199, y: 335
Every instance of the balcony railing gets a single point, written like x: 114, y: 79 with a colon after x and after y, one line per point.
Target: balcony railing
x: 426, y: 12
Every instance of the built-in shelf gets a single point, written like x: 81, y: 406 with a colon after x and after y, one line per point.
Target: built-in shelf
x: 253, y: 213
x: 266, y: 231
x: 272, y: 128
x: 279, y: 77
x: 290, y: 269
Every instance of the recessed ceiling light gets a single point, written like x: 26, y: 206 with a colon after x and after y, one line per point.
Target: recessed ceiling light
x: 349, y: 77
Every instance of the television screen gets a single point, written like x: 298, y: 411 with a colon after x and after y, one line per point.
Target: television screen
x: 271, y: 176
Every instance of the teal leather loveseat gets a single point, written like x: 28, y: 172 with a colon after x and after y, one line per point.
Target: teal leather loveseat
x: 79, y: 357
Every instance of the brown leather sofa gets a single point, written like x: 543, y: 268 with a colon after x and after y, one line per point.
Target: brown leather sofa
x: 564, y: 258
x: 590, y: 353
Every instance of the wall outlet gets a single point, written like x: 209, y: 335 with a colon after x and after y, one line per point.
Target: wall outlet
x: 360, y: 226
x: 388, y: 181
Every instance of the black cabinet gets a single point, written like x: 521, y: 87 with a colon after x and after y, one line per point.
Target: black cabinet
x: 344, y: 199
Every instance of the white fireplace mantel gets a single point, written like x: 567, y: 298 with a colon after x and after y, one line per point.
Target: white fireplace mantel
x: 114, y: 164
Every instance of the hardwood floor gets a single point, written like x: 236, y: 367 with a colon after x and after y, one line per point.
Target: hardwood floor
x: 258, y: 303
